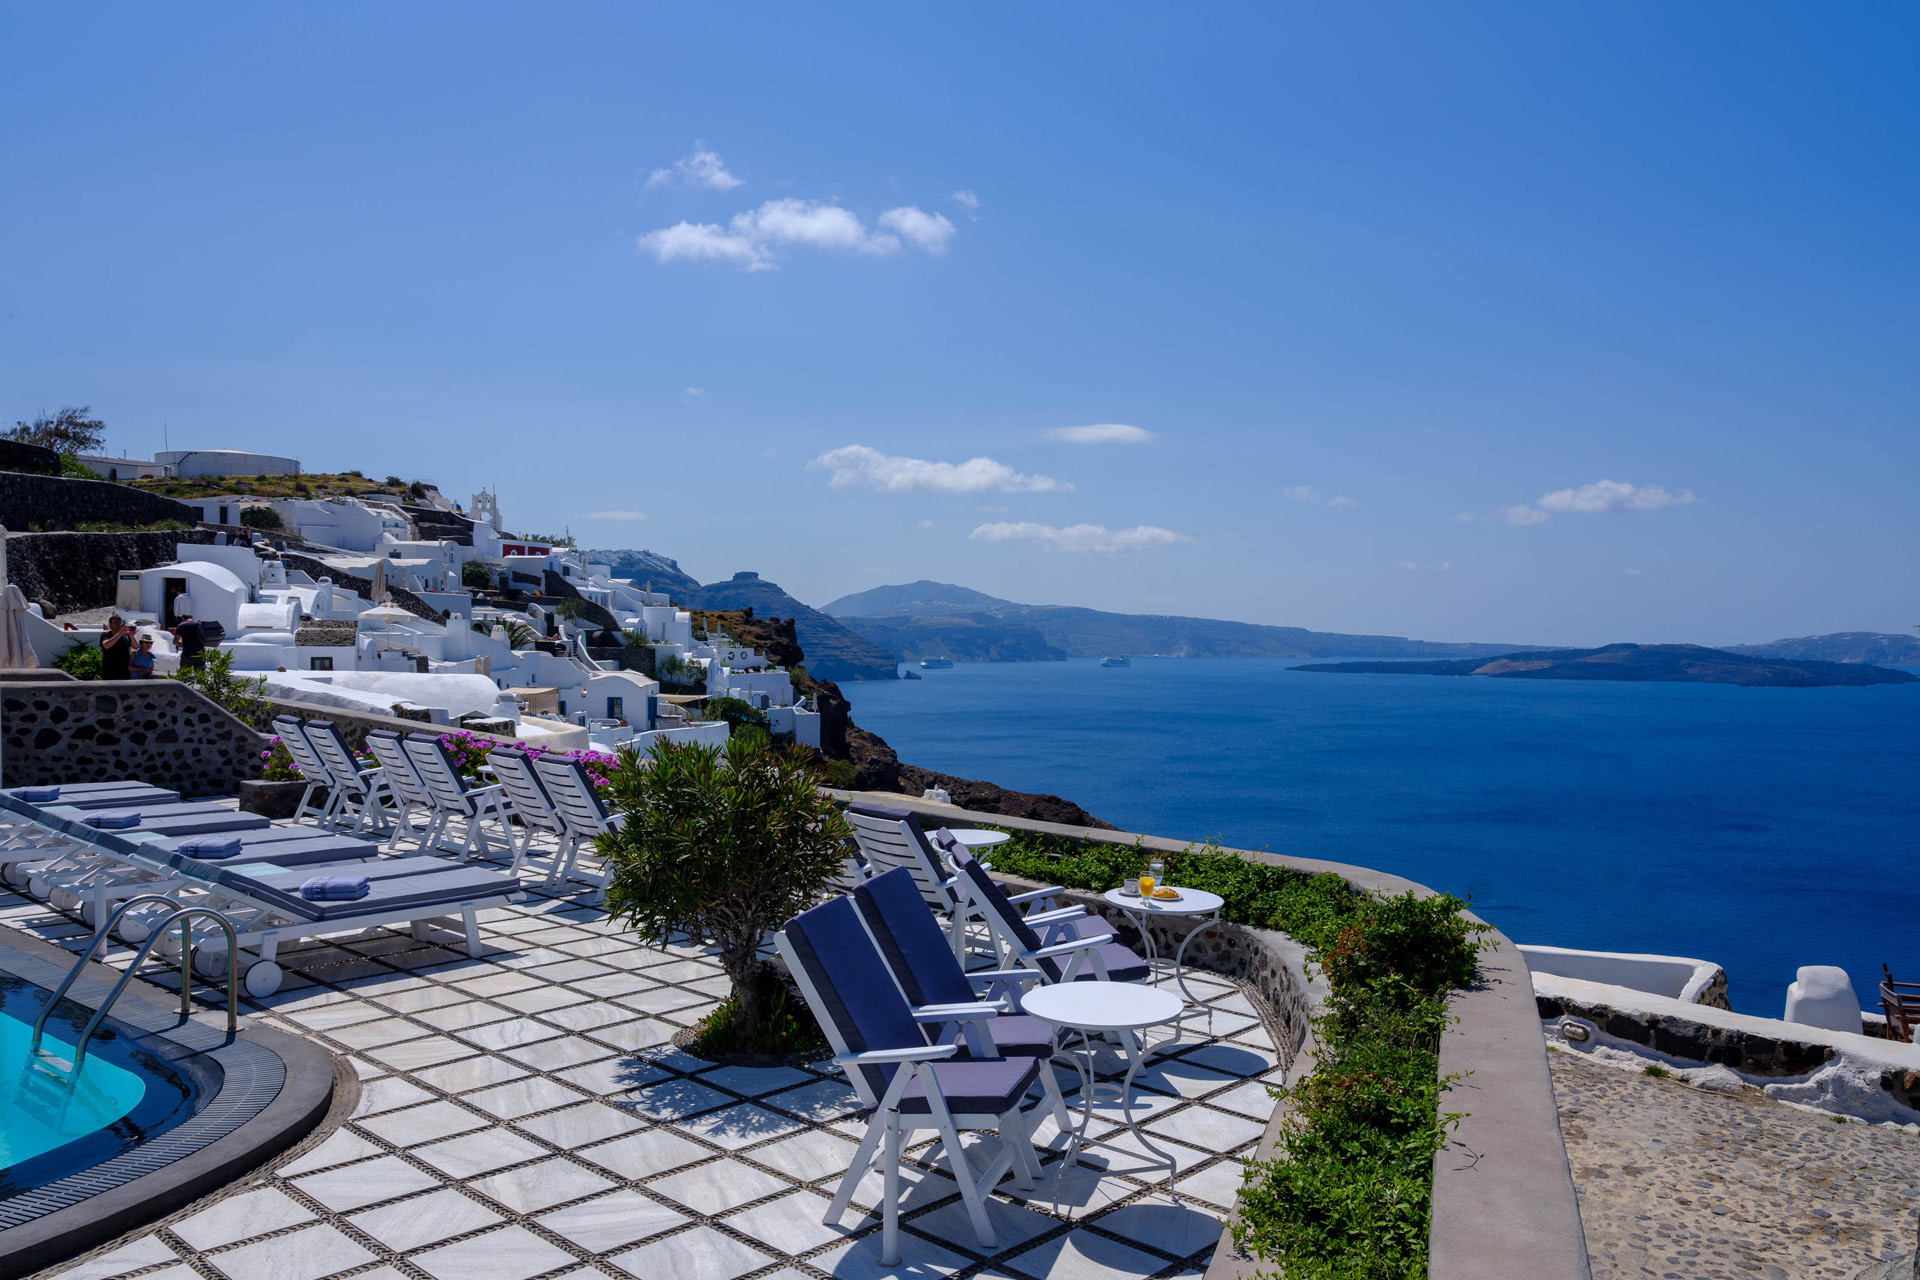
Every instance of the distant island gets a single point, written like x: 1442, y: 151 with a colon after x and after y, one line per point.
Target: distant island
x: 1877, y: 647
x: 939, y: 620
x: 1684, y: 663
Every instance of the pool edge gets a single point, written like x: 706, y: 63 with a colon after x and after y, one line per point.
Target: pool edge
x: 299, y: 1105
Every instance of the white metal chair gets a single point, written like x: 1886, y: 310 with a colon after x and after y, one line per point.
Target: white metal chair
x: 454, y: 798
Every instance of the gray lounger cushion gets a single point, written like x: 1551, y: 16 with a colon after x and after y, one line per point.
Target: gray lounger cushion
x: 395, y: 888
x: 108, y: 795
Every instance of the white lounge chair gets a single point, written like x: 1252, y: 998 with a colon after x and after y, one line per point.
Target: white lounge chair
x: 454, y: 797
x: 408, y: 790
x: 585, y: 814
x: 528, y: 798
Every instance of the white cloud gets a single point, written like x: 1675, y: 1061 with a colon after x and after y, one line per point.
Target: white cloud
x: 1079, y: 537
x: 1307, y: 493
x: 1442, y: 566
x: 924, y: 524
x: 1612, y: 495
x: 967, y: 200
x: 615, y: 515
x: 1101, y: 433
x: 1591, y: 499
x: 857, y: 464
x: 701, y: 168
x: 750, y: 238
x: 692, y: 391
x: 1465, y: 517
x: 930, y: 231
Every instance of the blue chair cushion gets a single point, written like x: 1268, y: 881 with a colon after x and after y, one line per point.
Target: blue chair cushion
x: 1021, y: 1035
x: 1122, y: 965
x: 914, y: 946
x: 336, y: 888
x: 37, y: 795
x: 113, y: 819
x: 214, y: 847
x: 988, y: 1086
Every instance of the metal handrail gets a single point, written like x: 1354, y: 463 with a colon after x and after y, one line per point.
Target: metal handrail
x: 184, y: 914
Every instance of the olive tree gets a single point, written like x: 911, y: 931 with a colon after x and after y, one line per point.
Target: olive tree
x: 723, y: 844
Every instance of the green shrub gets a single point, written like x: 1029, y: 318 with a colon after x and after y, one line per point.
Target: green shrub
x: 724, y: 845
x: 738, y: 714
x: 82, y: 662
x: 572, y: 608
x: 475, y: 576
x: 786, y: 1026
x: 242, y: 696
x: 261, y: 518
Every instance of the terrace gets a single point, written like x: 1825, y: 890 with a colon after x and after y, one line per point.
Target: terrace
x: 526, y: 1115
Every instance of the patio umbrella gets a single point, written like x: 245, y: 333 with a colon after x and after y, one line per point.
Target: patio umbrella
x: 16, y: 651
x: 379, y: 588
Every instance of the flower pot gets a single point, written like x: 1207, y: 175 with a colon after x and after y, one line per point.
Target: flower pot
x: 272, y: 799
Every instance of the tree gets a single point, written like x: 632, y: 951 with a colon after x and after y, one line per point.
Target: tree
x: 723, y: 844
x: 571, y: 609
x: 261, y: 518
x: 68, y: 432
x: 738, y: 713
x: 475, y: 576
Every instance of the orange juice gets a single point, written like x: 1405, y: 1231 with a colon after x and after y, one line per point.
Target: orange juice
x: 1146, y: 886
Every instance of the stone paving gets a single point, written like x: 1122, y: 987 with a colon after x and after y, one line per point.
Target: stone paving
x: 525, y: 1115
x: 1676, y: 1182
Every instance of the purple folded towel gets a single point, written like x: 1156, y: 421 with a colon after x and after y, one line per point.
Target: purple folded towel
x: 336, y: 888
x: 37, y: 795
x: 113, y: 819
x: 211, y: 846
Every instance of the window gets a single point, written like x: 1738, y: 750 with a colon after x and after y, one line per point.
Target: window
x: 616, y: 708
x: 319, y: 664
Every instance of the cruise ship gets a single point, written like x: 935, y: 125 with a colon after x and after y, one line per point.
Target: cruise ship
x: 935, y: 664
x: 1120, y: 660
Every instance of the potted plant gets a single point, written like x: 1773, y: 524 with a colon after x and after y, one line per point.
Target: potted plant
x: 276, y: 793
x: 725, y: 844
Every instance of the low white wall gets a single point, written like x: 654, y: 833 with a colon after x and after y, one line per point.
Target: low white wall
x: 1676, y: 977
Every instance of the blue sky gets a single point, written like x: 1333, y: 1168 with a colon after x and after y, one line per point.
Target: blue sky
x: 1482, y: 323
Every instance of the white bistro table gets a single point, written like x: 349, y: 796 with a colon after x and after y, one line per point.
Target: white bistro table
x: 1115, y: 1010
x: 978, y: 838
x: 1191, y: 902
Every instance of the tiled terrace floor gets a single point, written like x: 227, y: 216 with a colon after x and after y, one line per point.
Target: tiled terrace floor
x: 525, y: 1115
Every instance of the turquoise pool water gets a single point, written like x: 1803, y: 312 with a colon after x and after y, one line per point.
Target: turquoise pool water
x: 44, y: 1105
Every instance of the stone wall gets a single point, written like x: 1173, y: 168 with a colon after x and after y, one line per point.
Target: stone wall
x: 161, y: 732
x: 66, y: 572
x: 597, y: 615
x: 34, y: 459
x: 54, y: 502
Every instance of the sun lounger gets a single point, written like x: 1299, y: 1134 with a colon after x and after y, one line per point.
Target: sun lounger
x: 358, y: 792
x: 585, y: 814
x: 312, y: 769
x: 527, y: 797
x: 455, y: 798
x: 98, y: 795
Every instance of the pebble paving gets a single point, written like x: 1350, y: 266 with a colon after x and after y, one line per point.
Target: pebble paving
x: 1679, y: 1183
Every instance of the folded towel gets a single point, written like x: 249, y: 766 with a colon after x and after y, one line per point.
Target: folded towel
x: 211, y: 846
x: 37, y: 795
x: 113, y: 819
x: 336, y: 888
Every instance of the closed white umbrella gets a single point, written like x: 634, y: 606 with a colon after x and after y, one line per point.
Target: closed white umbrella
x: 16, y: 650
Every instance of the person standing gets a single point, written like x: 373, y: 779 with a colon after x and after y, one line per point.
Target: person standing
x: 191, y: 641
x: 116, y: 650
x: 142, y: 660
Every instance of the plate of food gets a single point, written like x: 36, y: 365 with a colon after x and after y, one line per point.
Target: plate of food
x: 1165, y: 894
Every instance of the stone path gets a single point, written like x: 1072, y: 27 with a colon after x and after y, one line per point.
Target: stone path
x: 1678, y: 1183
x: 525, y: 1116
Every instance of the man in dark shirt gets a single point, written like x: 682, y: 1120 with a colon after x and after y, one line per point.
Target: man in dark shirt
x: 192, y: 642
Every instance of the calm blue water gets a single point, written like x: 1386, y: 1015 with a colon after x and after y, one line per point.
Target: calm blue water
x: 45, y: 1106
x: 1762, y: 829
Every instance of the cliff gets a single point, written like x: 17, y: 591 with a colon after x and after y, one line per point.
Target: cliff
x: 1687, y: 663
x: 68, y: 572
x: 1875, y: 647
x: 833, y: 652
x: 646, y: 567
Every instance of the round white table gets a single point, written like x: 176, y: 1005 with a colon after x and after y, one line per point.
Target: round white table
x: 977, y: 838
x: 1114, y: 1010
x: 1191, y: 902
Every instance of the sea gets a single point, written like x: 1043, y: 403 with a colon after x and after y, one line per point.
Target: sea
x: 1762, y: 829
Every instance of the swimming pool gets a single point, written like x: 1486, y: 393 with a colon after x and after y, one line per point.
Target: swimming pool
x: 54, y: 1121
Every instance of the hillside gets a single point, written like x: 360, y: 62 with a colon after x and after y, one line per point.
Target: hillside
x: 647, y: 566
x: 1876, y: 647
x: 833, y: 651
x: 1688, y: 663
x: 935, y: 619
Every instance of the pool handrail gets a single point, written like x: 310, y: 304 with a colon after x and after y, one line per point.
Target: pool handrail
x: 184, y: 914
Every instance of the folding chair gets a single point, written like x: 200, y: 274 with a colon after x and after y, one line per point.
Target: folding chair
x: 1075, y: 958
x: 909, y: 1083
x: 453, y: 797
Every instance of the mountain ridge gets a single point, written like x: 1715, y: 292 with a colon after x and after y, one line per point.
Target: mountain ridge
x: 1669, y: 663
x: 941, y: 620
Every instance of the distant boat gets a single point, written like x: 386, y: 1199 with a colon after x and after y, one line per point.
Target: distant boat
x: 935, y: 664
x: 1120, y: 661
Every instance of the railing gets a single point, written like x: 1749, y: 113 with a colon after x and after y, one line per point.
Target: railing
x: 184, y: 914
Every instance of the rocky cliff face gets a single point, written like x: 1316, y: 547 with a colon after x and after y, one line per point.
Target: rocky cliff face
x: 67, y: 572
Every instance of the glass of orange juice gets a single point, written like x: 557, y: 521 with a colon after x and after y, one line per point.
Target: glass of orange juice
x: 1146, y: 886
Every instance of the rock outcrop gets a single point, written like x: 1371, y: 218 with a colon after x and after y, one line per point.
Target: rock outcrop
x: 67, y: 572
